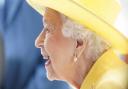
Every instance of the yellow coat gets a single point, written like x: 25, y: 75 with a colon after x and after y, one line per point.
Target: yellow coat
x: 109, y: 72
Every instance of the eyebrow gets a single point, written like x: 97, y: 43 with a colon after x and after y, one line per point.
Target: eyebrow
x: 46, y: 23
x: 49, y: 25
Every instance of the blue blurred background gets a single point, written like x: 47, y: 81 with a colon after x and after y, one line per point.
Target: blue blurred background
x: 20, y: 25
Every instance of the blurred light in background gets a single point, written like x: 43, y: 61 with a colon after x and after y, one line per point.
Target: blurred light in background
x: 122, y: 20
x: 2, y: 3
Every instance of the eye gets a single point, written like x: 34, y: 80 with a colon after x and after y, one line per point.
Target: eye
x: 47, y: 30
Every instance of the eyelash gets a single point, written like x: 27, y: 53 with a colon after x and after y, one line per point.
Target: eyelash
x: 49, y: 29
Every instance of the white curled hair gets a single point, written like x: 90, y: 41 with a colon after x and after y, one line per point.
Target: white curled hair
x: 95, y: 45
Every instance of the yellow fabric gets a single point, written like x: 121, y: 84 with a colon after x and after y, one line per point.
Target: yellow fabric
x: 97, y: 15
x: 109, y: 72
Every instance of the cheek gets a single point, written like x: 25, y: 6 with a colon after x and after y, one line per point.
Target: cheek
x: 59, y: 48
x: 50, y: 44
x: 63, y: 50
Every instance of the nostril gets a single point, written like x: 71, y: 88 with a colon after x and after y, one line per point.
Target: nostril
x: 38, y: 44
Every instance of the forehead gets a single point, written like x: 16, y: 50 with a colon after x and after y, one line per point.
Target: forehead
x: 51, y: 16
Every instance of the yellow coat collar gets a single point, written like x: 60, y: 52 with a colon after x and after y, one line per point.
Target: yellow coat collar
x: 106, y: 62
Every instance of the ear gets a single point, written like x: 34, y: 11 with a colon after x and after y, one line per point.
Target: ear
x: 80, y: 47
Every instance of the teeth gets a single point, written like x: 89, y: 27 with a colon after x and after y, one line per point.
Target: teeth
x: 46, y: 57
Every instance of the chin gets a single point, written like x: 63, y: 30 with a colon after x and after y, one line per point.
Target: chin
x: 51, y: 75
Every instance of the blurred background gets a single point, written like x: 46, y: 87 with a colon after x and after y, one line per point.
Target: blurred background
x: 21, y: 61
x: 122, y: 20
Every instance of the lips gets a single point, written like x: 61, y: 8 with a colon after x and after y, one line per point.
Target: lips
x: 47, y: 59
x: 47, y: 62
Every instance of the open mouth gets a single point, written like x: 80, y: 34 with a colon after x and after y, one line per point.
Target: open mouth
x: 47, y: 59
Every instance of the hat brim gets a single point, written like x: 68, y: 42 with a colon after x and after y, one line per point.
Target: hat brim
x: 87, y: 18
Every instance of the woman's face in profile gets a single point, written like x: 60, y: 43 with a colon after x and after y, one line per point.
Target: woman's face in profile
x: 57, y: 49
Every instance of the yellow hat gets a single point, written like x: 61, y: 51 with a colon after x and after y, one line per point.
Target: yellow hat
x: 97, y: 15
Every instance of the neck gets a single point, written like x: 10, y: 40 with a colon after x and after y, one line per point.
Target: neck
x: 74, y: 82
x: 82, y: 68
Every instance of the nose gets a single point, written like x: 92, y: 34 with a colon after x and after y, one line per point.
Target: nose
x: 40, y: 40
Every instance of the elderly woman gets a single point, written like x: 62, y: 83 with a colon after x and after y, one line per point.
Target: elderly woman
x: 73, y: 54
x: 70, y: 53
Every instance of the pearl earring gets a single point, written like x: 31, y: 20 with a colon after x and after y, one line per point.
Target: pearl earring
x: 75, y: 58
